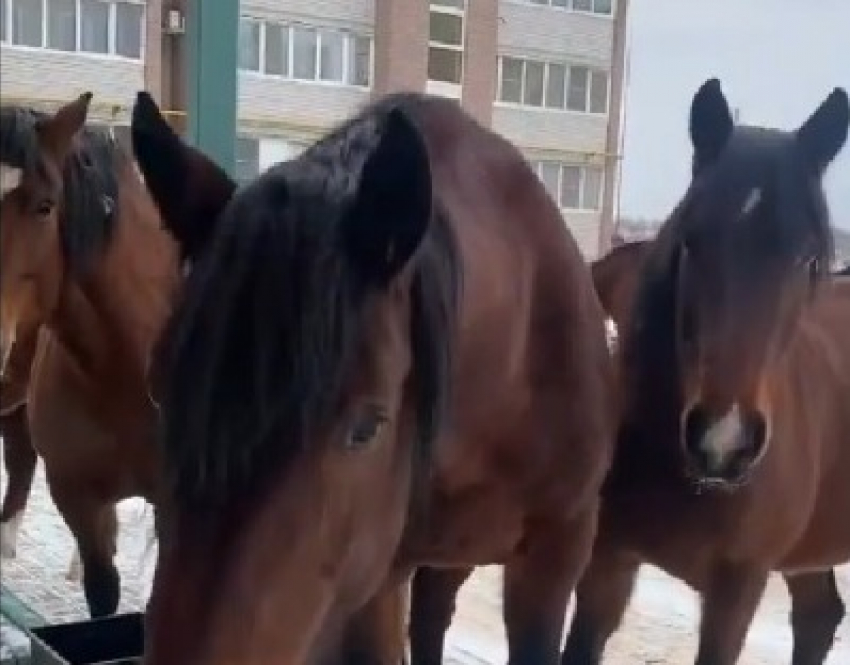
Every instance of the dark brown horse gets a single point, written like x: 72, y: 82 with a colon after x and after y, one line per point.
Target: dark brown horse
x: 615, y: 278
x: 84, y: 259
x: 19, y: 456
x: 388, y: 353
x: 733, y: 456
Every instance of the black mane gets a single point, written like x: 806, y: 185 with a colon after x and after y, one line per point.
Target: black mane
x: 89, y: 206
x: 753, y: 156
x: 256, y: 355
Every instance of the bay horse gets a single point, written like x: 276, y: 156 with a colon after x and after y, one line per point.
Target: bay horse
x: 86, y: 261
x: 19, y: 456
x: 386, y: 353
x: 733, y: 455
x: 615, y: 278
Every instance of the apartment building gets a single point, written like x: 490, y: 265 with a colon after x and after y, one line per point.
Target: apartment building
x: 547, y: 74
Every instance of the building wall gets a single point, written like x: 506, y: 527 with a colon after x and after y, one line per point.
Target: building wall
x: 47, y: 77
x: 342, y: 12
x: 41, y: 75
x: 481, y: 49
x: 278, y: 115
x: 280, y: 104
x: 546, y: 34
x: 530, y: 28
x: 401, y: 45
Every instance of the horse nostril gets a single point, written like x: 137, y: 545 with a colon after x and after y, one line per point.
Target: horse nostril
x: 695, y: 425
x: 755, y: 426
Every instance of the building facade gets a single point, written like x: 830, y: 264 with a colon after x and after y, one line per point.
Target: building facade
x: 547, y: 74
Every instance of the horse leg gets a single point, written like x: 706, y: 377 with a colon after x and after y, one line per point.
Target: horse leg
x: 95, y: 528
x: 375, y: 635
x: 20, y: 460
x: 729, y: 604
x: 602, y: 597
x: 538, y: 581
x: 816, y: 612
x: 432, y: 605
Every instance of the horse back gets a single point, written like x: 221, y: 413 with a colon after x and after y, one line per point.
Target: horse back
x: 534, y: 382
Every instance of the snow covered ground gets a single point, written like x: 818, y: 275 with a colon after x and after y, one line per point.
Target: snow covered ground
x: 660, y: 627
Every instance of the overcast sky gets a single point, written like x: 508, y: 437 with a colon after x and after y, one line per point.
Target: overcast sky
x: 776, y: 59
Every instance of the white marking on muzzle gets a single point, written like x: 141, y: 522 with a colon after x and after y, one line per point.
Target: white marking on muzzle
x: 753, y: 199
x: 723, y: 439
x: 9, y: 535
x: 10, y: 178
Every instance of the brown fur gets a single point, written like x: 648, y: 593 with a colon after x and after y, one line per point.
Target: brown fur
x: 276, y: 571
x: 100, y: 290
x: 790, y: 512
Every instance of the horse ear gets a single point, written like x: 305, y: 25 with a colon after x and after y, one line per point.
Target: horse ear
x: 711, y: 123
x: 823, y: 135
x: 189, y: 189
x: 393, y: 203
x: 57, y: 132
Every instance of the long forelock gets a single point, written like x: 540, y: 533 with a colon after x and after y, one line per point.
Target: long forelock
x: 90, y: 180
x: 257, y: 353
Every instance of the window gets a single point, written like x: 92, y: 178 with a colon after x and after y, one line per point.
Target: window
x: 94, y: 26
x: 277, y: 50
x: 572, y: 186
x: 247, y: 152
x: 535, y: 72
x: 360, y: 61
x: 27, y: 23
x: 331, y: 55
x: 445, y: 41
x: 550, y: 173
x: 249, y: 45
x: 577, y: 90
x: 276, y: 150
x: 107, y: 27
x: 552, y: 85
x: 129, y: 21
x: 592, y: 188
x: 556, y: 85
x: 62, y: 25
x: 305, y: 53
x: 598, y: 92
x: 511, y: 80
x: 602, y: 7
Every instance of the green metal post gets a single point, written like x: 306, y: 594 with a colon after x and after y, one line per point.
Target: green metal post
x: 212, y: 35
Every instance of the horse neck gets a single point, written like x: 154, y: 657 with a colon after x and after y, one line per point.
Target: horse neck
x: 109, y: 318
x: 652, y: 394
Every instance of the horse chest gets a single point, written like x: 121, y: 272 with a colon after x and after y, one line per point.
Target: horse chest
x: 686, y: 534
x: 475, y: 526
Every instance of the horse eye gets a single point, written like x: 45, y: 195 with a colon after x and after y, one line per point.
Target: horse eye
x: 365, y: 430
x: 44, y: 208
